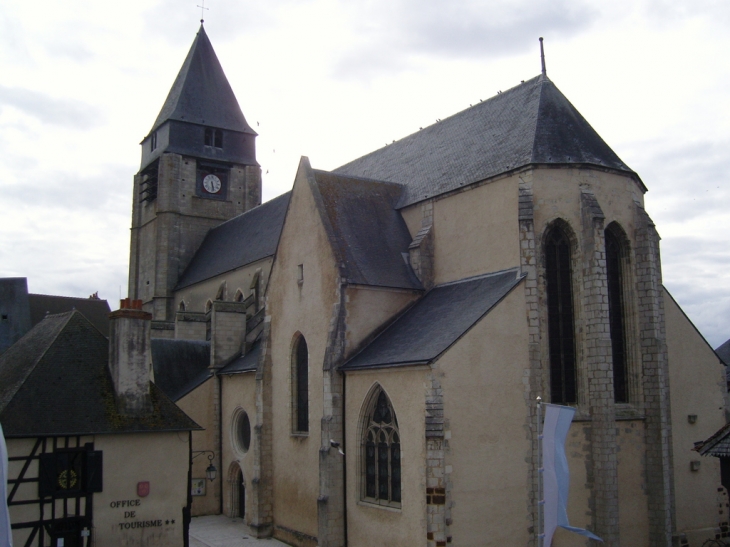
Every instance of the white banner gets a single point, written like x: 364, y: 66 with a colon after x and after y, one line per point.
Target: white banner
x: 556, y: 476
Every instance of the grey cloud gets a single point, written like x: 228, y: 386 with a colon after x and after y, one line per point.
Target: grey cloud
x: 63, y: 112
x: 71, y: 191
x: 394, y: 31
x: 230, y: 18
x: 685, y: 181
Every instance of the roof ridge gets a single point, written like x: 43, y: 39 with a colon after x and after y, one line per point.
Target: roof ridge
x: 249, y: 211
x: 480, y: 276
x: 13, y: 390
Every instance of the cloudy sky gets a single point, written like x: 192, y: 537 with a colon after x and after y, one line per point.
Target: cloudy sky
x: 83, y: 81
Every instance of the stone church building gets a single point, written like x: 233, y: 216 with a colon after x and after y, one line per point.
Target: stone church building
x: 365, y: 351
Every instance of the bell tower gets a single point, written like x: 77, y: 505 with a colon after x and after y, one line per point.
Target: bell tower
x: 198, y: 170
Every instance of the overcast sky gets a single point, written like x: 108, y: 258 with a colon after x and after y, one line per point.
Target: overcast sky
x: 82, y: 82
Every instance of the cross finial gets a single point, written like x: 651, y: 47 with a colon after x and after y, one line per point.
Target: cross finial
x: 202, y: 8
x: 542, y: 58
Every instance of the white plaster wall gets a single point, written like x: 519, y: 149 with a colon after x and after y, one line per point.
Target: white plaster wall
x: 305, y: 308
x: 476, y: 231
x: 369, y: 524
x: 199, y: 404
x: 239, y: 392
x: 486, y: 413
x: 697, y: 380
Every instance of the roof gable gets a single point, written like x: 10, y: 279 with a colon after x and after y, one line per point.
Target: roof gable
x: 244, y: 239
x: 532, y: 123
x: 369, y: 235
x: 435, y: 322
x: 201, y: 93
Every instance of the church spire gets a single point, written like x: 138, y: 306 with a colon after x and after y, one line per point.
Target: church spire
x: 201, y: 93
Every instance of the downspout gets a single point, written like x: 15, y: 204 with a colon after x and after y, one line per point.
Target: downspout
x: 187, y: 510
x: 344, y: 449
x: 220, y: 440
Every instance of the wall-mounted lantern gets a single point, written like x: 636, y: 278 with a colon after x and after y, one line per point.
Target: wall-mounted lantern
x: 211, y: 472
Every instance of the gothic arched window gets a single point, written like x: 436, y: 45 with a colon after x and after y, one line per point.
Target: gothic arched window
x: 381, y: 452
x: 561, y: 326
x: 616, y: 311
x: 300, y: 386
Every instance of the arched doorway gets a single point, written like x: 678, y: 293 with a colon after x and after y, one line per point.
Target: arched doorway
x: 241, y: 495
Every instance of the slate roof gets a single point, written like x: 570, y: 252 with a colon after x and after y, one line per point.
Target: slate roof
x: 723, y: 352
x: 718, y: 445
x: 244, y: 239
x: 370, y: 236
x: 55, y: 381
x: 95, y: 310
x: 201, y: 93
x: 435, y: 322
x: 245, y: 363
x: 532, y: 123
x: 180, y: 365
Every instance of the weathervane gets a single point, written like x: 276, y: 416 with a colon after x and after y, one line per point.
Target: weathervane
x: 201, y: 12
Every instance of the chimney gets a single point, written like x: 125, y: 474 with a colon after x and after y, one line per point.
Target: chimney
x: 130, y: 357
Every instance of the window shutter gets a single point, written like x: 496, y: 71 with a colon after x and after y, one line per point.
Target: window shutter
x: 94, y: 475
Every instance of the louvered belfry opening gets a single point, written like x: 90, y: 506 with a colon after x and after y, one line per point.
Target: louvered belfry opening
x: 302, y: 385
x: 561, y: 325
x: 614, y: 274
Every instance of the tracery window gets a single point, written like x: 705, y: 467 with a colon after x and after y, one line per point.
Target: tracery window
x: 300, y: 385
x: 561, y: 324
x: 381, y: 453
x: 616, y: 317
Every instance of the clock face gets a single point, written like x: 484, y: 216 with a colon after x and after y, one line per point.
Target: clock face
x: 212, y: 184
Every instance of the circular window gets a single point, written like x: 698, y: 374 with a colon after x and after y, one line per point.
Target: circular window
x: 242, y: 431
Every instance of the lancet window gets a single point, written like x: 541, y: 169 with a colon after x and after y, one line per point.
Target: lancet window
x: 561, y: 323
x: 381, y: 453
x: 616, y: 314
x: 300, y: 385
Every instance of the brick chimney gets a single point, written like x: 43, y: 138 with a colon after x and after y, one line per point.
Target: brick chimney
x: 130, y: 357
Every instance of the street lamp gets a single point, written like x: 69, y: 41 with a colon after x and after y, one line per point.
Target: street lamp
x: 211, y: 472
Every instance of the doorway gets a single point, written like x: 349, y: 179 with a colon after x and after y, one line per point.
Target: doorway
x: 241, y: 495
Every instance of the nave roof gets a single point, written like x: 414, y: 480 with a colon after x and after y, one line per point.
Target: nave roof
x: 532, y: 123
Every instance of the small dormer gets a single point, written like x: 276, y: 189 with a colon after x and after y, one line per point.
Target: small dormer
x: 201, y: 117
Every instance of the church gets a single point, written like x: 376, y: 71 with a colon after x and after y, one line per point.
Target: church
x: 365, y: 352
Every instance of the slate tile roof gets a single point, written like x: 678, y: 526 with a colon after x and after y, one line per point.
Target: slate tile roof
x: 201, y: 93
x: 723, y: 352
x: 532, y: 123
x: 717, y: 445
x: 435, y: 322
x: 95, y: 310
x: 55, y: 381
x: 245, y: 363
x: 180, y: 365
x: 370, y: 236
x: 244, y: 239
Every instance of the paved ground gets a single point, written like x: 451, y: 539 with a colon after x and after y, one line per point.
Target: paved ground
x: 221, y: 531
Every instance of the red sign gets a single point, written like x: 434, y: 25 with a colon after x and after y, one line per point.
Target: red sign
x: 143, y: 489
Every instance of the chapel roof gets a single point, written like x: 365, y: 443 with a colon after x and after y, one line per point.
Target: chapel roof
x: 723, y: 352
x: 532, y: 123
x: 56, y: 381
x: 201, y: 93
x: 244, y: 239
x: 435, y: 322
x: 369, y: 235
x: 180, y: 365
x: 244, y: 363
x: 717, y: 445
